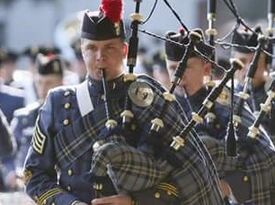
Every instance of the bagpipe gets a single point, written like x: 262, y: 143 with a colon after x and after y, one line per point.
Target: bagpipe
x: 194, y: 45
x: 242, y: 189
x: 115, y: 128
x: 265, y: 108
x: 248, y: 79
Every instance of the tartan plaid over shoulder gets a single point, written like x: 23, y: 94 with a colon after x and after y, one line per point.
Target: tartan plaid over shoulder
x: 68, y: 148
x: 252, y: 172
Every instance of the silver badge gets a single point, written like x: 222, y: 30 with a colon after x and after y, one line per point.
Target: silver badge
x: 224, y: 98
x: 141, y: 94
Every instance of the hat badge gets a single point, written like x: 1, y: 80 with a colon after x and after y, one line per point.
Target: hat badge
x: 117, y: 28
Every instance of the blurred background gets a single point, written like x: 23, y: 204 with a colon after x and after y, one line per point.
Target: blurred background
x: 29, y: 22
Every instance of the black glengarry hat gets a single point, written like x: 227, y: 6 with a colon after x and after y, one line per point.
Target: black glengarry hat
x: 104, y: 24
x: 49, y: 64
x: 175, y: 52
x: 246, y: 38
x: 33, y: 51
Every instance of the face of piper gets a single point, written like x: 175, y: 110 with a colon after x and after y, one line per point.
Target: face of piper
x: 193, y: 77
x: 261, y: 72
x: 44, y: 83
x: 104, y: 54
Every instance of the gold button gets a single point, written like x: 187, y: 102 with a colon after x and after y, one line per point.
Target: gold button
x: 70, y: 172
x: 53, y: 203
x: 169, y: 193
x: 133, y: 127
x: 157, y: 195
x: 67, y: 105
x: 67, y: 93
x: 66, y: 122
x: 114, y: 85
x: 98, y: 186
x: 69, y: 188
x: 44, y: 202
x: 245, y: 178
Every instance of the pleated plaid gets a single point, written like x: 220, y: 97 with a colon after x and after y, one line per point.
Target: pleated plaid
x: 256, y: 158
x: 128, y: 168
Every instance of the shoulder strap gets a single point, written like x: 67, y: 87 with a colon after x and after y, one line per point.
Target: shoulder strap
x: 84, y: 100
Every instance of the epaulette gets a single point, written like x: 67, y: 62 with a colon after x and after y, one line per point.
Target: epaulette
x: 26, y: 110
x: 65, y: 89
x: 12, y: 91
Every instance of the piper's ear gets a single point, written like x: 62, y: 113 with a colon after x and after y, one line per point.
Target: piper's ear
x: 207, y: 69
x: 125, y: 49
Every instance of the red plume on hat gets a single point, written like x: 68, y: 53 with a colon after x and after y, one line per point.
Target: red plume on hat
x: 112, y: 9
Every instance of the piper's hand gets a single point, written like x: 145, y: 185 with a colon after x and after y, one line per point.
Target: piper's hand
x: 113, y: 200
x: 225, y: 188
x: 11, y: 181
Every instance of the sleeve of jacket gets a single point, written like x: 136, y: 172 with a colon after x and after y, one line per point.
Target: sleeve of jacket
x: 39, y: 171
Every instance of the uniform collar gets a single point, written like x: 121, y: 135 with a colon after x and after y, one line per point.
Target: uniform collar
x: 96, y: 86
